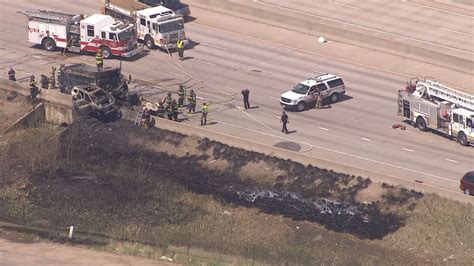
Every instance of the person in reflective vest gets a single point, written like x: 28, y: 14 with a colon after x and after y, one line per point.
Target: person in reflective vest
x: 99, y: 60
x: 180, y: 46
x: 33, y: 88
x: 192, y: 102
x: 205, y: 111
x: 169, y: 111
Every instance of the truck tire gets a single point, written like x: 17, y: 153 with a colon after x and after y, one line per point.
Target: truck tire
x: 149, y: 42
x: 301, y: 106
x: 463, y: 139
x: 334, y: 97
x: 421, y: 124
x: 106, y: 52
x: 48, y: 44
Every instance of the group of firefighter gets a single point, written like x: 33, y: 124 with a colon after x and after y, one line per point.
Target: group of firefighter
x: 170, y: 108
x: 53, y: 82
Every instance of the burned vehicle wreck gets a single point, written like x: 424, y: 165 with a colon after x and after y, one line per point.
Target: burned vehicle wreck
x: 91, y: 100
x: 110, y: 79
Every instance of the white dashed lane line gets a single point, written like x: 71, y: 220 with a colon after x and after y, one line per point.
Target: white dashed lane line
x: 409, y: 150
x: 344, y: 5
x: 364, y: 139
x: 453, y: 161
x: 323, y: 128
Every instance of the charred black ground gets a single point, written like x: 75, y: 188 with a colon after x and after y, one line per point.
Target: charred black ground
x: 305, y: 193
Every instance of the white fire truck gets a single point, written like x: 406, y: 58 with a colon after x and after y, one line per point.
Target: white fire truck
x: 156, y: 26
x: 431, y: 105
x: 76, y: 33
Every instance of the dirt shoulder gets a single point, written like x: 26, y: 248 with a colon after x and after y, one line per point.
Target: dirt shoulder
x: 20, y: 252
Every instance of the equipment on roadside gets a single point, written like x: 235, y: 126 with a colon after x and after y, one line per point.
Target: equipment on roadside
x: 77, y: 33
x: 429, y: 104
x: 156, y: 26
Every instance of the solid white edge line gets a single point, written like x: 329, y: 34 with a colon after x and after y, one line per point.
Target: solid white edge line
x: 347, y: 154
x: 214, y: 46
x: 344, y: 5
x: 362, y: 27
x: 204, y: 62
x: 455, y: 31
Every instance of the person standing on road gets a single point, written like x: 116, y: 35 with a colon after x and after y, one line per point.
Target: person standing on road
x: 205, y: 111
x: 319, y: 99
x: 59, y: 75
x: 11, y: 74
x: 246, y: 94
x: 99, y: 60
x: 174, y: 107
x: 180, y: 46
x: 52, y: 79
x: 33, y: 88
x: 44, y: 81
x: 192, y: 102
x: 284, y: 120
x: 181, y: 95
x: 169, y: 111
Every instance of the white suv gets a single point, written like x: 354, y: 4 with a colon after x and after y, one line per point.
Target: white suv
x: 305, y: 93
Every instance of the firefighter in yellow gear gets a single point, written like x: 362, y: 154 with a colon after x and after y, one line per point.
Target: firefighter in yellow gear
x: 99, y: 60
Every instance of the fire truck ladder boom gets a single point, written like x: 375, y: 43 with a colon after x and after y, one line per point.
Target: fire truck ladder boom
x: 49, y: 15
x: 440, y: 91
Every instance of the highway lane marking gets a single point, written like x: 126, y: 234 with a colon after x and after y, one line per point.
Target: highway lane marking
x: 204, y: 62
x: 214, y: 46
x: 323, y: 128
x: 311, y: 52
x: 437, y: 9
x: 453, y: 161
x: 346, y: 154
x: 361, y: 27
x: 344, y: 5
x: 455, y: 31
x: 368, y: 140
x: 409, y: 150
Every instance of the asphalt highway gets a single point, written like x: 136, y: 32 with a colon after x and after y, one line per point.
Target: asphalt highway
x: 221, y: 62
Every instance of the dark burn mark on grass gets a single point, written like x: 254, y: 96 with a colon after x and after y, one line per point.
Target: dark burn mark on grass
x: 304, y: 193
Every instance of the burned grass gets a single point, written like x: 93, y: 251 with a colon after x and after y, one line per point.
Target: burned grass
x: 313, y: 194
x: 154, y: 187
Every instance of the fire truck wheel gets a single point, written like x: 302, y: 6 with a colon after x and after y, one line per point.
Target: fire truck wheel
x: 421, y: 124
x: 334, y: 97
x: 149, y: 42
x: 462, y: 139
x: 48, y: 44
x: 106, y: 52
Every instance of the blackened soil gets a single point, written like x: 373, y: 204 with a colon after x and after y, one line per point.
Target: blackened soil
x: 316, y: 195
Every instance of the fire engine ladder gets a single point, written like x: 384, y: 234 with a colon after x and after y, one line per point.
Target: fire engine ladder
x: 49, y: 15
x: 435, y: 89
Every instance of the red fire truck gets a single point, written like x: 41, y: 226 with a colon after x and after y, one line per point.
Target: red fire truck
x: 77, y: 33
